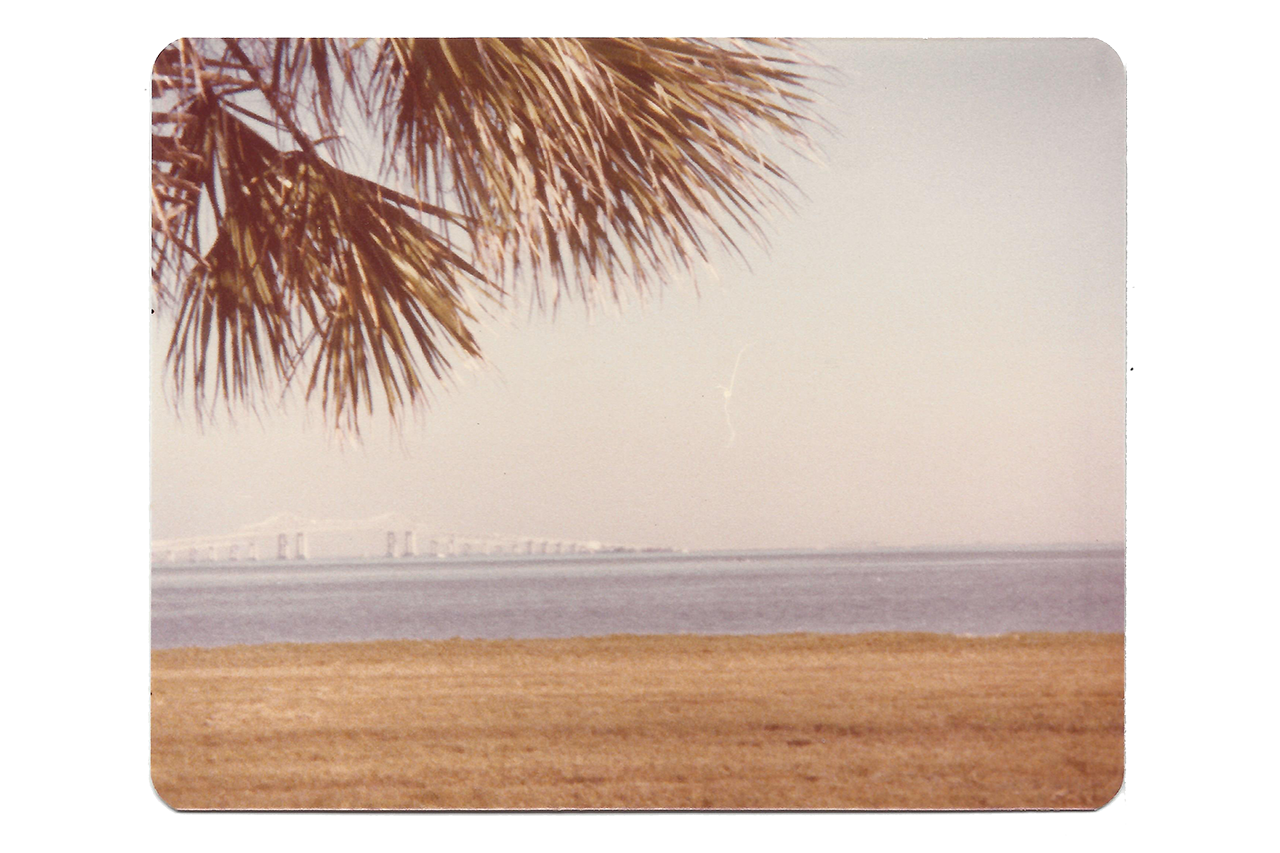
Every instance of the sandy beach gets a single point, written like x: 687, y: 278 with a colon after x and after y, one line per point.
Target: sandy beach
x: 799, y: 721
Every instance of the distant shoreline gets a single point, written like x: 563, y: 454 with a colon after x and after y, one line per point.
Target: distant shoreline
x: 660, y: 553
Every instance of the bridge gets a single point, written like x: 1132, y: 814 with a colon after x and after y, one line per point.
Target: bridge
x: 389, y: 536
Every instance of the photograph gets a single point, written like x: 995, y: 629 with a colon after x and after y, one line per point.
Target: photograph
x: 640, y: 424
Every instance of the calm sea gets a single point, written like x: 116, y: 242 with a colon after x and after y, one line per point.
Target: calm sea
x: 972, y: 592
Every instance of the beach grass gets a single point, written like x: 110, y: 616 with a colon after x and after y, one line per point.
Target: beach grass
x: 794, y: 721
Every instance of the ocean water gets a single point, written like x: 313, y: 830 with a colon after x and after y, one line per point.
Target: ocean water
x: 969, y: 592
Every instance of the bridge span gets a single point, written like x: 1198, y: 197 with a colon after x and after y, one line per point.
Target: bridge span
x: 390, y: 536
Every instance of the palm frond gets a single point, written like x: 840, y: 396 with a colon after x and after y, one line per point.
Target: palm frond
x: 536, y: 168
x: 595, y: 159
x: 314, y: 266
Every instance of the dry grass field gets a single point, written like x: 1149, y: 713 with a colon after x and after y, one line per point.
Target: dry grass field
x: 898, y: 721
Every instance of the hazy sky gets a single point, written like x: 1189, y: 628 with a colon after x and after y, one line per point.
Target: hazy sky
x: 934, y: 352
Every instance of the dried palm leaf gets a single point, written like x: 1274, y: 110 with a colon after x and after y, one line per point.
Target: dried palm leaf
x: 511, y: 167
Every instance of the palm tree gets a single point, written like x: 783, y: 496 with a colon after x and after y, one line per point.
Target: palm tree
x: 511, y: 170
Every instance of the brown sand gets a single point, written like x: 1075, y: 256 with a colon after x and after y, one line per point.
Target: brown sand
x: 901, y: 721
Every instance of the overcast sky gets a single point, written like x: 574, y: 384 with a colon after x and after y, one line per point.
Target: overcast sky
x: 930, y: 351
